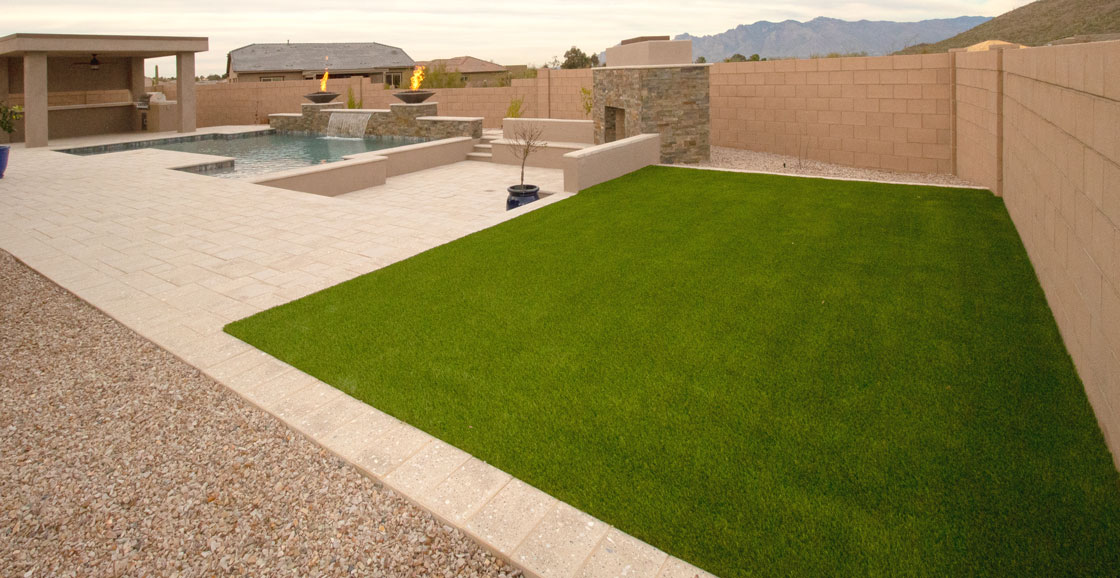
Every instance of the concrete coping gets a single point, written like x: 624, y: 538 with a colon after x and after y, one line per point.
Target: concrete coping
x: 552, y: 121
x: 640, y: 66
x: 285, y: 115
x: 309, y: 170
x: 353, y: 110
x: 549, y: 144
x: 450, y: 118
x: 588, y: 151
x: 213, y: 161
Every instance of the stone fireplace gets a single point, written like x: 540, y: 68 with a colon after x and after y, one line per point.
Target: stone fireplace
x: 614, y: 124
x: 670, y: 99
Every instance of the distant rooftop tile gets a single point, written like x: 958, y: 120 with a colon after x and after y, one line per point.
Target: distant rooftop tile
x: 343, y: 56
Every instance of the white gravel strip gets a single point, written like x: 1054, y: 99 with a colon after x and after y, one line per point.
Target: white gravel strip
x: 116, y: 458
x: 753, y: 161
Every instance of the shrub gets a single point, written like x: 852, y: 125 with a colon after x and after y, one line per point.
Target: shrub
x: 350, y: 102
x: 515, y: 110
x: 438, y: 76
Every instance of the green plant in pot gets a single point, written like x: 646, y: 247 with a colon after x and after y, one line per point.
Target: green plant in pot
x: 527, y: 139
x: 8, y: 117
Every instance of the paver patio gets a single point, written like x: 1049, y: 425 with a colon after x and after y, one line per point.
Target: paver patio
x: 175, y: 256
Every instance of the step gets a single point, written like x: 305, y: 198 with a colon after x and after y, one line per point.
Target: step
x: 484, y: 157
x: 483, y: 147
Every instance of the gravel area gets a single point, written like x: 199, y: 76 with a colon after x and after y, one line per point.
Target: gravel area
x: 744, y: 160
x: 116, y: 458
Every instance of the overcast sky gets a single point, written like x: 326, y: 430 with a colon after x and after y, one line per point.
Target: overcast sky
x: 505, y: 31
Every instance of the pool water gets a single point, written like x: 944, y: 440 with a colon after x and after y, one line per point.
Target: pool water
x: 257, y: 155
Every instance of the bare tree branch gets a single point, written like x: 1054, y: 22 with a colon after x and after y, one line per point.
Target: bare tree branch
x: 527, y: 139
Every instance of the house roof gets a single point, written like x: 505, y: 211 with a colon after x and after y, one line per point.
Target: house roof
x: 465, y: 65
x: 343, y: 56
x: 990, y: 44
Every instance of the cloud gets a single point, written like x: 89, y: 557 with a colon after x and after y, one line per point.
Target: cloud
x: 505, y: 31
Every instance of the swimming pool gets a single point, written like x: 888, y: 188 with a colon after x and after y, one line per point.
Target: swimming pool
x: 263, y: 153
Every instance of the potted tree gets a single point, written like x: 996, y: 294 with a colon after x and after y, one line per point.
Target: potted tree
x: 8, y: 116
x: 526, y: 141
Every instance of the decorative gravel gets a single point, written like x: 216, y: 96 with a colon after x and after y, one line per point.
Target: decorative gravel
x: 744, y: 160
x: 116, y: 458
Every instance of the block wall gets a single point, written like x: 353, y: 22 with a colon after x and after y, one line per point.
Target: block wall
x: 888, y: 112
x: 1062, y: 189
x: 976, y: 119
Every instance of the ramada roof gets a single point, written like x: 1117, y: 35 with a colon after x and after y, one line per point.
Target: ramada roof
x: 340, y: 56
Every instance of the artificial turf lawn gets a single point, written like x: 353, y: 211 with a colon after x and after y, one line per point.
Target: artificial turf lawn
x: 758, y: 374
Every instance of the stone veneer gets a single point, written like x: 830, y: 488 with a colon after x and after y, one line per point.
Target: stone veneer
x: 673, y: 101
x: 414, y: 120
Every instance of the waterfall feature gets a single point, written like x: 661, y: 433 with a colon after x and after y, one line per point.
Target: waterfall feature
x: 348, y: 124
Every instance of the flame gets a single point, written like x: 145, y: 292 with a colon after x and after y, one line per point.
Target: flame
x: 326, y: 75
x: 417, y: 78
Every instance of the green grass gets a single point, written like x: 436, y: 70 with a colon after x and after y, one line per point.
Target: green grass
x: 759, y: 374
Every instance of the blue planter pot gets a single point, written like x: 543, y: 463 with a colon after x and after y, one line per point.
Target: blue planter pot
x: 3, y: 159
x: 520, y: 195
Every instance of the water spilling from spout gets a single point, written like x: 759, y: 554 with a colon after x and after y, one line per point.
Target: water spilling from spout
x: 348, y: 125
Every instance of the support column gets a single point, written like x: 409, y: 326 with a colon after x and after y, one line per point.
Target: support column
x: 4, y: 90
x: 137, y: 83
x: 184, y: 85
x: 35, y: 128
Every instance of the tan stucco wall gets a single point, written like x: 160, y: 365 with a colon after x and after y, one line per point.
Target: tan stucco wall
x: 86, y: 120
x: 599, y: 164
x: 72, y: 74
x: 650, y: 53
x: 1062, y: 189
x: 331, y: 179
x: 550, y: 155
x: 163, y: 116
x: 411, y: 158
x: 552, y: 130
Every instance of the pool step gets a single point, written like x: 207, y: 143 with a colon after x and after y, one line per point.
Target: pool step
x: 483, y: 150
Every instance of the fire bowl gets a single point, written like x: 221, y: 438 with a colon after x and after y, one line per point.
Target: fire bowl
x: 413, y: 96
x: 321, y: 97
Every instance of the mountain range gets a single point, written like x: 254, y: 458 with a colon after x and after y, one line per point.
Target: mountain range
x: 1036, y: 24
x: 821, y: 36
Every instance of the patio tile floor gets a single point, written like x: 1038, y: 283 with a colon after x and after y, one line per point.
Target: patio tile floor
x: 175, y: 256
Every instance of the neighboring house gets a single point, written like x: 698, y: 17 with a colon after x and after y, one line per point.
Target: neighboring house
x: 272, y: 62
x: 473, y: 71
x: 992, y: 45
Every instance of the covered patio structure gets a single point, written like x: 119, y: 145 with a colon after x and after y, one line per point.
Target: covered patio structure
x: 79, y: 85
